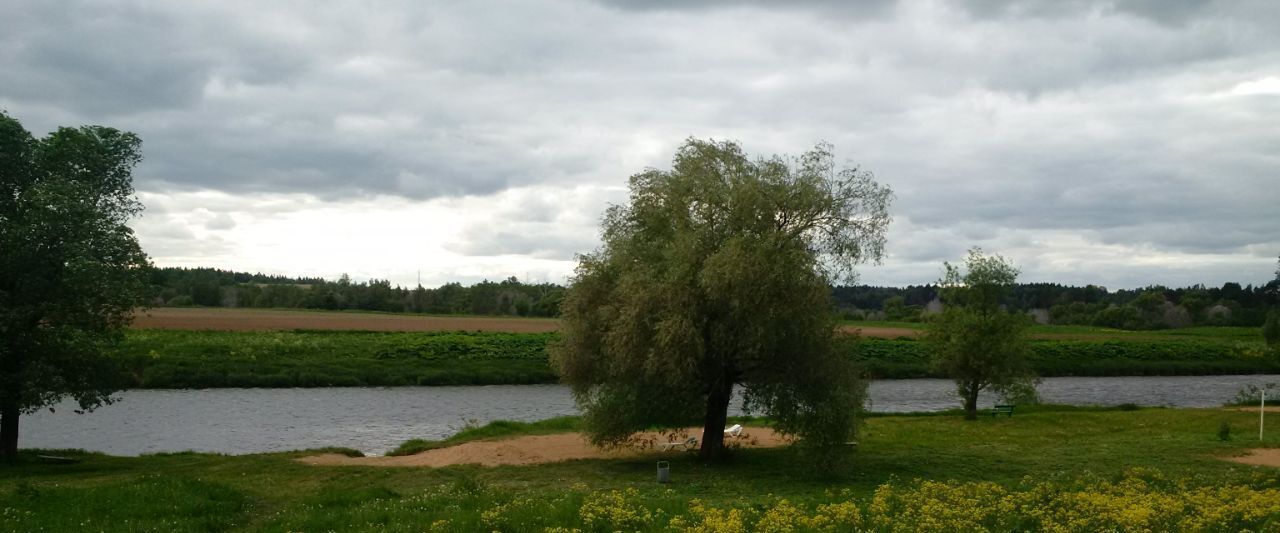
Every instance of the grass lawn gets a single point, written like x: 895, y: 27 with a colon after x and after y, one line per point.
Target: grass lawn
x: 1090, y: 451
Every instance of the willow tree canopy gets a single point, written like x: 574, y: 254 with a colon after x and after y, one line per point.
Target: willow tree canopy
x: 715, y: 273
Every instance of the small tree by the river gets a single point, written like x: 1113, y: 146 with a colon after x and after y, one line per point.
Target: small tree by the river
x: 976, y: 340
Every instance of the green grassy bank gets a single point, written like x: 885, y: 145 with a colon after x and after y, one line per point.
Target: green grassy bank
x: 1075, y: 469
x: 199, y: 359
x: 1171, y: 356
x: 203, y: 359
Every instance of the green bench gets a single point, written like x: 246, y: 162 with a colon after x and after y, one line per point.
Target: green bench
x: 1002, y: 410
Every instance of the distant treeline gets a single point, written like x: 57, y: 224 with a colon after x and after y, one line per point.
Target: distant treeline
x: 1154, y: 307
x: 180, y: 287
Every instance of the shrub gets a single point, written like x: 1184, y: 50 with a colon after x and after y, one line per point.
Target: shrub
x: 1271, y: 328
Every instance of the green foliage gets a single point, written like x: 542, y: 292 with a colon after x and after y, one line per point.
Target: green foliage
x: 714, y: 274
x: 1271, y: 329
x: 1119, y: 317
x: 71, y: 270
x: 896, y: 309
x: 1224, y: 431
x: 974, y: 341
x: 212, y: 287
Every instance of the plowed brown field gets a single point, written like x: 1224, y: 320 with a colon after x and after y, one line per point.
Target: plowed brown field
x: 283, y: 319
x: 277, y: 319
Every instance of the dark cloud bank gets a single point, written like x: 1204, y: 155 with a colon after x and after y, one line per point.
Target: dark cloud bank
x: 1090, y: 124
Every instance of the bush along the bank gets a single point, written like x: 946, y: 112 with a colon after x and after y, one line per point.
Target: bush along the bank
x: 897, y: 359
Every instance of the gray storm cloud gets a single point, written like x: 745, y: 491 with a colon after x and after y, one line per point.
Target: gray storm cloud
x: 1089, y: 124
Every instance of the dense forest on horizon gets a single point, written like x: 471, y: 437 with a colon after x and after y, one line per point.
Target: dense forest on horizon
x: 1154, y: 307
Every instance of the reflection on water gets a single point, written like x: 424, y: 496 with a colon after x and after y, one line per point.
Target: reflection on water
x: 375, y: 420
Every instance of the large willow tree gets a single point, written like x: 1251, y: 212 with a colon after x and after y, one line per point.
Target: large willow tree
x: 716, y: 274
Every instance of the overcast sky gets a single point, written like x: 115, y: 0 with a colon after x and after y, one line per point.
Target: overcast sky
x: 1114, y: 143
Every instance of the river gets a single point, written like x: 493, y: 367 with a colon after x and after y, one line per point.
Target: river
x: 375, y: 420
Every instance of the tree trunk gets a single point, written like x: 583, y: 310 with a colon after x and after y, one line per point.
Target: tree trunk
x: 717, y: 415
x: 9, y: 432
x: 971, y: 401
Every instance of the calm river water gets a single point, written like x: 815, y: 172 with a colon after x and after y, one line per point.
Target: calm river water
x: 375, y: 420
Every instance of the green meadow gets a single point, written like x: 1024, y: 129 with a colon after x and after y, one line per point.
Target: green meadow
x: 1045, y: 468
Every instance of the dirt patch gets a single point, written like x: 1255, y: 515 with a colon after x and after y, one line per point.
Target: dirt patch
x: 881, y: 333
x: 1269, y: 409
x: 274, y: 319
x: 537, y: 449
x: 1258, y: 456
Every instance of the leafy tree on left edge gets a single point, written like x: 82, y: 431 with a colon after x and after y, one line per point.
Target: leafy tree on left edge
x: 71, y: 271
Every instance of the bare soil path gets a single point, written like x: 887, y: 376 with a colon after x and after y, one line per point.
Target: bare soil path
x: 537, y: 449
x: 1258, y: 456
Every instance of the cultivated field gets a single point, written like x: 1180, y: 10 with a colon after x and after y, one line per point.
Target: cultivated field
x: 285, y: 319
x: 221, y: 319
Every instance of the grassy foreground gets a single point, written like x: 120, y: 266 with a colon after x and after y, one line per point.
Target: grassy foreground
x: 1066, y: 469
x: 156, y: 358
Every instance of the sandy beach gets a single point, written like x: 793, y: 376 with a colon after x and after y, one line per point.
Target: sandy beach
x: 536, y: 449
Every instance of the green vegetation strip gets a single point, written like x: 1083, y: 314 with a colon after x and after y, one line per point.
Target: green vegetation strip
x: 895, y: 359
x: 204, y: 359
x: 1080, y: 469
x: 200, y: 359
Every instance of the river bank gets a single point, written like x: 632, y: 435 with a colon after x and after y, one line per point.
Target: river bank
x: 178, y: 359
x: 1155, y: 469
x: 376, y: 420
